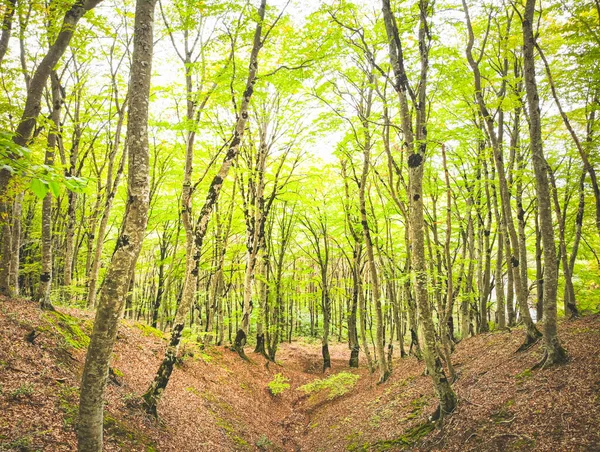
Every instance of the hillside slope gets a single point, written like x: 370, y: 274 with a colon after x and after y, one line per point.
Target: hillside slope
x: 215, y: 401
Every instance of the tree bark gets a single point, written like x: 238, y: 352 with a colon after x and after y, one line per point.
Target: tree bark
x: 7, y: 22
x: 15, y: 255
x: 129, y: 243
x: 194, y: 246
x: 554, y: 352
x: 416, y: 147
x: 43, y: 295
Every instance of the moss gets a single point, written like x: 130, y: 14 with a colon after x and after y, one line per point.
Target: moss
x: 68, y: 397
x: 522, y: 377
x: 124, y: 434
x: 230, y: 431
x: 70, y: 328
x: 355, y: 442
x: 407, y: 440
x: 149, y: 331
x: 221, y: 421
x: 336, y: 385
x: 21, y: 444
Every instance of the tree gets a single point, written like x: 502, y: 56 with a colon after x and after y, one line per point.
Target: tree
x: 193, y: 252
x: 129, y: 244
x: 416, y: 146
x: 554, y: 353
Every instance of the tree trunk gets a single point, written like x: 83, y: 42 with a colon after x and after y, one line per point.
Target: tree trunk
x: 416, y: 147
x: 569, y: 299
x: 15, y: 255
x: 194, y: 246
x: 43, y: 296
x: 129, y: 243
x: 7, y: 21
x: 554, y: 352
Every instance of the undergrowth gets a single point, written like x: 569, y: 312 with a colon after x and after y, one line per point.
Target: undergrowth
x: 337, y: 385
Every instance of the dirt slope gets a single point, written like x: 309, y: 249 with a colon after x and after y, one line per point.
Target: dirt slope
x: 215, y: 401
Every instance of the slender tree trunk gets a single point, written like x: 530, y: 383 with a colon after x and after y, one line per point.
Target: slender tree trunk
x: 539, y: 269
x: 7, y: 22
x: 416, y: 146
x: 569, y: 300
x: 43, y: 296
x: 554, y: 352
x: 15, y: 255
x: 577, y: 239
x: 352, y: 326
x: 470, y: 292
x: 375, y: 287
x: 129, y: 243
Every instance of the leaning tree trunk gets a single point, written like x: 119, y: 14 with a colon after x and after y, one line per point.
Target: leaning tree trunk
x: 129, y: 243
x: 554, y: 352
x: 194, y: 246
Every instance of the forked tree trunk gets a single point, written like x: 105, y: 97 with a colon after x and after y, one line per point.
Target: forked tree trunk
x: 555, y: 354
x: 129, y: 243
x: 416, y: 147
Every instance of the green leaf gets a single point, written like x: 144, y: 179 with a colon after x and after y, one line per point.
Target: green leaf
x: 39, y: 188
x: 54, y: 187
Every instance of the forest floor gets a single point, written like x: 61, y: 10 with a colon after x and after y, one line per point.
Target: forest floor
x: 217, y: 402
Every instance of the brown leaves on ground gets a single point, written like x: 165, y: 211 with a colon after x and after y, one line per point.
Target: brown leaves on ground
x: 215, y: 401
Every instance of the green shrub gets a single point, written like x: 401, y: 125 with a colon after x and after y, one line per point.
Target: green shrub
x: 337, y: 385
x: 278, y: 384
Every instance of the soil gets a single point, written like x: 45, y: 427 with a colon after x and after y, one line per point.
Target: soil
x: 215, y: 401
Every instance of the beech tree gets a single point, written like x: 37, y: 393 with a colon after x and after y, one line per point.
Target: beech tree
x: 129, y: 244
